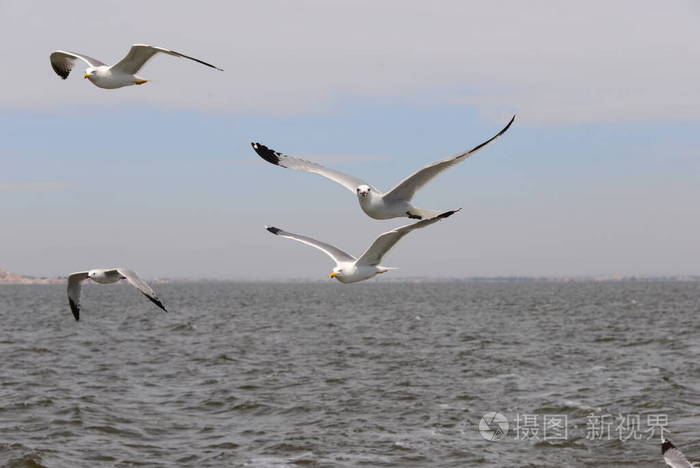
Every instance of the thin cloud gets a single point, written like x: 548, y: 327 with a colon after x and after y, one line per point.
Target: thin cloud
x: 344, y: 158
x: 325, y: 158
x: 557, y: 61
x: 30, y: 187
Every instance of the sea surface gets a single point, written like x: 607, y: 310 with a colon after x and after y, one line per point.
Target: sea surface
x: 371, y: 374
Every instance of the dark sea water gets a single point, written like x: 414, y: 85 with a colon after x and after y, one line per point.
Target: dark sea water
x: 373, y: 374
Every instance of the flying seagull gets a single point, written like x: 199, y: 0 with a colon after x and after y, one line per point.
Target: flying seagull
x: 349, y: 269
x: 122, y: 73
x: 393, y: 204
x: 674, y: 457
x: 105, y: 277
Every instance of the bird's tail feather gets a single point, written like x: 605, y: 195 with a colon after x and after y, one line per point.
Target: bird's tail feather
x: 384, y: 269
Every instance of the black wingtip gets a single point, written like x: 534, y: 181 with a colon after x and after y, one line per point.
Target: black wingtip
x: 666, y: 445
x: 156, y: 301
x: 75, y: 309
x: 266, y: 153
x: 63, y: 73
x: 273, y: 230
x: 505, y: 129
x: 447, y: 214
x: 195, y: 59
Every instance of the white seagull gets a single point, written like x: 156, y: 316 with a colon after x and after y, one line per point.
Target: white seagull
x: 396, y: 202
x: 122, y: 73
x: 349, y: 269
x: 106, y: 277
x: 674, y: 457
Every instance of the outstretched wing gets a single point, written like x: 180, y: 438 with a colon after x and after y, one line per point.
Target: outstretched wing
x: 382, y: 244
x: 141, y: 285
x: 62, y: 62
x: 408, y: 187
x: 74, y: 286
x: 674, y: 457
x: 335, y: 253
x: 278, y: 159
x: 139, y: 54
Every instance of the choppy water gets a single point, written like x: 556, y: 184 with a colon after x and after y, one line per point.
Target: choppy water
x: 373, y: 374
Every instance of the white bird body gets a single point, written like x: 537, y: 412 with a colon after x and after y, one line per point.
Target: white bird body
x: 377, y: 206
x: 106, y: 276
x: 122, y: 73
x: 395, y: 203
x: 349, y: 269
x: 107, y: 78
x: 351, y: 272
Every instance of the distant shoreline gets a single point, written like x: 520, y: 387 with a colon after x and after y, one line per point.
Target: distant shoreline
x: 13, y: 278
x: 496, y: 280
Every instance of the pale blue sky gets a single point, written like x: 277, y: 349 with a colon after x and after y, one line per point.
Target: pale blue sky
x: 598, y: 175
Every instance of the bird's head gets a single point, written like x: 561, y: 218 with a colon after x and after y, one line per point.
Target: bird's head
x: 363, y: 190
x: 90, y: 72
x: 91, y: 274
x: 337, y: 273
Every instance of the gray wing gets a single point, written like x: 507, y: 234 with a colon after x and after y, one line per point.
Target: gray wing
x: 408, y: 187
x: 139, y: 54
x: 278, y: 159
x: 62, y: 62
x: 335, y: 253
x: 75, y: 281
x: 382, y: 244
x: 141, y: 285
x: 674, y: 457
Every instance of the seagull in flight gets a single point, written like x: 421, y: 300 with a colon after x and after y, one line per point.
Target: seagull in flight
x: 106, y: 277
x: 674, y: 457
x: 396, y: 202
x: 122, y: 73
x: 349, y: 269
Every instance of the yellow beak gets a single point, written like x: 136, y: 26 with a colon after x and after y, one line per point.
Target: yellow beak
x: 86, y: 76
x: 333, y: 275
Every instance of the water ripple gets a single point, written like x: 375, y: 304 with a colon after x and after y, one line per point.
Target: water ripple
x: 320, y: 375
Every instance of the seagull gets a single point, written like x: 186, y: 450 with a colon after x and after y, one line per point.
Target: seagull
x: 349, y: 269
x: 674, y: 457
x: 106, y: 277
x: 122, y: 73
x: 396, y: 202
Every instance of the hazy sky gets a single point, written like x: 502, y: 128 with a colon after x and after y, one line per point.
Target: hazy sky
x: 598, y: 175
